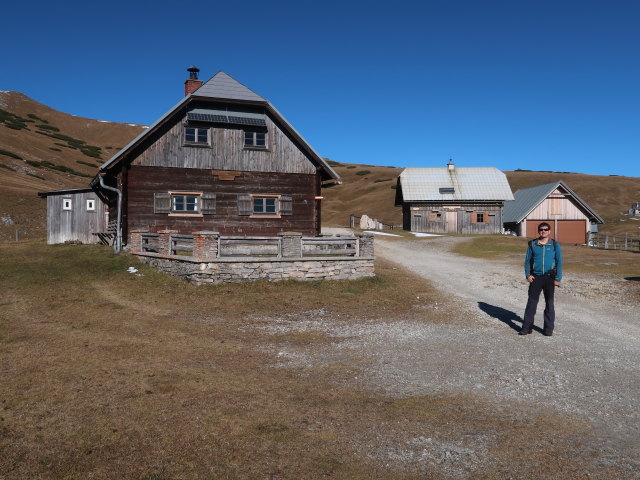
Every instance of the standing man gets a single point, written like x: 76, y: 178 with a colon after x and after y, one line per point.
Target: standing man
x: 543, y: 270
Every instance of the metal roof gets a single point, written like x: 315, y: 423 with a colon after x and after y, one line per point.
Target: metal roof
x: 526, y: 199
x: 66, y: 191
x: 223, y: 87
x: 468, y: 183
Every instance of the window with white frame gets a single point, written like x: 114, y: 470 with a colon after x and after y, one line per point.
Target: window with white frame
x: 91, y: 205
x: 67, y: 204
x: 196, y: 135
x: 255, y: 139
x: 265, y: 205
x: 185, y: 202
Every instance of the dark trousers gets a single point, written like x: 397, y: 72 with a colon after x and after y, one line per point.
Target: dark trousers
x: 542, y: 283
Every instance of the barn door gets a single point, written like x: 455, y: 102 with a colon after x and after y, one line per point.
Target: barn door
x: 452, y: 222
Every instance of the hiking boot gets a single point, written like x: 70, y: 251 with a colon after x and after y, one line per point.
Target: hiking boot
x: 524, y: 332
x: 547, y: 334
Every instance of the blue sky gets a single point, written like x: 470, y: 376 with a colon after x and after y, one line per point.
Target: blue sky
x: 544, y: 85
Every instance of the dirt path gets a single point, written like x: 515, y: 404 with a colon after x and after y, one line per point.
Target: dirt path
x: 588, y: 370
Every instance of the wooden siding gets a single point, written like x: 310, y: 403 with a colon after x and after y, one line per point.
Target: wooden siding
x: 143, y: 182
x: 566, y: 207
x: 568, y: 231
x: 77, y: 224
x: 442, y: 218
x: 226, y: 150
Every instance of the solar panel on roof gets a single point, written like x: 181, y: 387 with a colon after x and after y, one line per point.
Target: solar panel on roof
x: 447, y: 190
x: 205, y: 117
x: 248, y: 121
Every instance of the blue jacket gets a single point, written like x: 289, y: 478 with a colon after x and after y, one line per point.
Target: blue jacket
x: 545, y: 258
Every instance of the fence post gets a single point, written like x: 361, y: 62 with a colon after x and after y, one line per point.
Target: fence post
x: 291, y: 245
x: 205, y: 245
x: 365, y: 244
x: 164, y: 242
x: 135, y: 239
x: 625, y: 240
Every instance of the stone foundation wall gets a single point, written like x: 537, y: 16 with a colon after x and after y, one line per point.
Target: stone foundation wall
x: 246, y: 270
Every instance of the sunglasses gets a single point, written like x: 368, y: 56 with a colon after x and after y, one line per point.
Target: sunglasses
x: 543, y: 229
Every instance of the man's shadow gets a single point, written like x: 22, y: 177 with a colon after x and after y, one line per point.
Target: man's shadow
x: 505, y: 316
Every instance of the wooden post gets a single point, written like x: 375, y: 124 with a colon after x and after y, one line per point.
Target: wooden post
x: 625, y: 240
x: 606, y: 241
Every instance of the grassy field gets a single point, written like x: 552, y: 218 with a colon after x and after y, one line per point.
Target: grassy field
x: 619, y: 263
x: 105, y: 374
x: 111, y: 375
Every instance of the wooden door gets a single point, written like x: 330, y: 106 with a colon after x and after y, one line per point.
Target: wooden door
x: 452, y: 222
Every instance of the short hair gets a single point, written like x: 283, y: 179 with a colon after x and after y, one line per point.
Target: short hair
x: 544, y: 224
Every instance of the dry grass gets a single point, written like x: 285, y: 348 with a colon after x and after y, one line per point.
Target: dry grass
x: 575, y: 258
x: 104, y: 374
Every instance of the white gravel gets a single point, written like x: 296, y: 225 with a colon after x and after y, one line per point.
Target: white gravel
x: 589, y: 368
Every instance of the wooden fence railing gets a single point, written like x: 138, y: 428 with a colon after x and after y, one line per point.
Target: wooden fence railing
x: 210, y: 245
x: 613, y: 242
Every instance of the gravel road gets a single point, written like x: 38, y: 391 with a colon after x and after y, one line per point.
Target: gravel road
x: 588, y: 369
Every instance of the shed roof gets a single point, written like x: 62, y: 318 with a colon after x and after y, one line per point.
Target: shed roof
x: 223, y: 87
x: 458, y: 183
x: 526, y: 199
x: 66, y: 191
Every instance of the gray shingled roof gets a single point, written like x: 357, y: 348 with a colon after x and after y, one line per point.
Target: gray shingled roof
x: 526, y: 199
x: 223, y: 87
x: 468, y: 183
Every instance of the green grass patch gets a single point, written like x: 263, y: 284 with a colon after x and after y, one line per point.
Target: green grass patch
x: 35, y: 117
x: 7, y: 167
x: 363, y: 172
x: 48, y: 127
x: 10, y: 154
x: 36, y: 176
x: 393, y: 187
x: 55, y: 149
x: 351, y: 166
x: 82, y: 162
x: 380, y: 180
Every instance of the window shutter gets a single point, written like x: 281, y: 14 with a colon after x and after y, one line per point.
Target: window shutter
x: 244, y: 205
x: 474, y: 217
x: 432, y: 216
x: 286, y: 205
x: 487, y: 219
x: 209, y: 203
x: 162, y: 202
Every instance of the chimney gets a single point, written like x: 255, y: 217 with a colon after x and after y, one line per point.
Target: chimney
x: 450, y: 165
x: 192, y: 84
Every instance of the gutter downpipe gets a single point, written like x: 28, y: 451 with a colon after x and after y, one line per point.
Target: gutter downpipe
x: 117, y: 247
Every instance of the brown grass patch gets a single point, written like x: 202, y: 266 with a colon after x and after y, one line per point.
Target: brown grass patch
x: 106, y: 375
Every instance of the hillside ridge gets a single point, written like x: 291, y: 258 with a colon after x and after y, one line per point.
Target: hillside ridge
x: 44, y: 149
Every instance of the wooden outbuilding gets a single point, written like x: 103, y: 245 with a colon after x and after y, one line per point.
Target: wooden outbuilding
x: 223, y: 159
x: 74, y: 215
x: 452, y: 199
x: 570, y: 217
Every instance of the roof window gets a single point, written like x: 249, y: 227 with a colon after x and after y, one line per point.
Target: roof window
x: 447, y: 190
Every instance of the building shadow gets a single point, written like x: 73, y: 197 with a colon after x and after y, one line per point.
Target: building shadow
x: 507, y: 317
x: 632, y: 279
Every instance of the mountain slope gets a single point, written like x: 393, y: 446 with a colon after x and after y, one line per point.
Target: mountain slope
x: 44, y: 149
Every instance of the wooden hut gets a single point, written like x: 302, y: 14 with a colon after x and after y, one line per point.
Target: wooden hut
x: 452, y: 199
x: 570, y: 217
x: 74, y: 215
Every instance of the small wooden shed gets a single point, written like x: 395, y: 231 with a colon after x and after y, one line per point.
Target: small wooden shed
x: 452, y: 199
x: 75, y: 214
x: 570, y: 217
